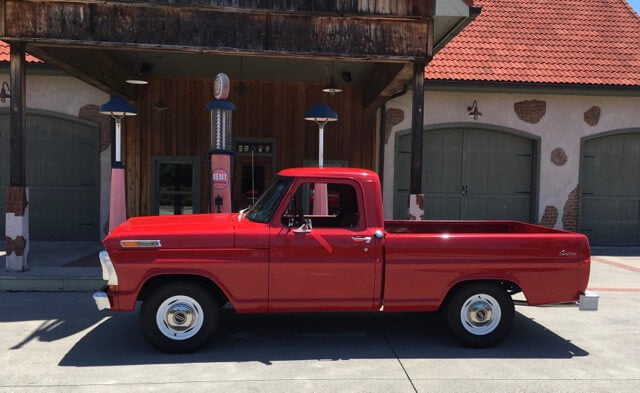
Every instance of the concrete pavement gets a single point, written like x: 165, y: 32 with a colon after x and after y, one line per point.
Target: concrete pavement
x: 58, y: 342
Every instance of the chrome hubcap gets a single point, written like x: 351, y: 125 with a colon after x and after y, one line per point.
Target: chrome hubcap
x: 480, y: 314
x: 179, y: 317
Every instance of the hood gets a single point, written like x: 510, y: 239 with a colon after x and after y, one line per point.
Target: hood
x: 185, y: 231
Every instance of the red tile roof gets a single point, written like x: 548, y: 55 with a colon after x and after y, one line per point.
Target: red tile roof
x: 591, y: 42
x: 4, y: 54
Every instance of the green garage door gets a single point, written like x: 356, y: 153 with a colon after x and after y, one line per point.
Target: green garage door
x: 62, y: 173
x: 469, y: 174
x: 610, y: 192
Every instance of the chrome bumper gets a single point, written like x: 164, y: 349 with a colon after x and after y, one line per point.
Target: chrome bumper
x: 102, y: 300
x: 588, y: 301
x: 108, y: 271
x: 110, y: 276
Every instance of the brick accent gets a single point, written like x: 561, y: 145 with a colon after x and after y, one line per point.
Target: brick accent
x: 92, y: 113
x: 393, y: 117
x: 16, y: 200
x: 15, y: 246
x: 531, y: 111
x: 592, y: 116
x: 570, y: 211
x: 559, y: 157
x: 550, y: 217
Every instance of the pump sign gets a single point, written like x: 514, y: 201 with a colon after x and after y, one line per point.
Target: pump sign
x: 220, y: 178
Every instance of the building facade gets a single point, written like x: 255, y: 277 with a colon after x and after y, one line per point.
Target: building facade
x: 68, y: 152
x: 530, y: 121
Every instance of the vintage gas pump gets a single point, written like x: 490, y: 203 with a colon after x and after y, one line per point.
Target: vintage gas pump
x: 221, y: 152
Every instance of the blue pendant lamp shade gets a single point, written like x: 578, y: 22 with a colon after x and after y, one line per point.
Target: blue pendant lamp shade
x: 321, y: 113
x: 118, y: 106
x: 221, y: 104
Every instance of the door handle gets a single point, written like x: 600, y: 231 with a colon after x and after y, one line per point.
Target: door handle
x: 366, y: 239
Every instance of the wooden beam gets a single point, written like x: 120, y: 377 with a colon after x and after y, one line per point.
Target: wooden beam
x: 386, y: 80
x: 18, y: 110
x: 217, y: 30
x: 94, y: 67
x: 417, y: 127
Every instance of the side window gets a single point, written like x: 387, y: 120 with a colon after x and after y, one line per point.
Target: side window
x: 328, y: 205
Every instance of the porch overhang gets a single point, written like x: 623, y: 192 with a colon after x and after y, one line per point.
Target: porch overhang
x: 190, y: 27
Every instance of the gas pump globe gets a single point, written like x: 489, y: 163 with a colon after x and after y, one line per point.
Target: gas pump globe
x: 221, y: 152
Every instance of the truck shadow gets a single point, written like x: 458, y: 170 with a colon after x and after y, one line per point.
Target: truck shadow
x: 268, y: 338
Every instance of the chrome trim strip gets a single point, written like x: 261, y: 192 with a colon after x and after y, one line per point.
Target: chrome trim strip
x: 141, y: 243
x: 108, y: 270
x: 102, y: 300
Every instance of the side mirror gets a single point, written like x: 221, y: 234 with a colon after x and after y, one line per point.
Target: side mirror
x: 305, y: 228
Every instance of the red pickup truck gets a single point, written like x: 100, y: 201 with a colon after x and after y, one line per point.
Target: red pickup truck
x: 279, y: 257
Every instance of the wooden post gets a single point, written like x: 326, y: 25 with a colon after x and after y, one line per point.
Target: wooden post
x: 416, y: 198
x: 17, y: 213
x: 18, y: 169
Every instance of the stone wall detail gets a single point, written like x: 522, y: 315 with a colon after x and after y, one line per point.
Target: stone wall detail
x: 592, y: 116
x: 559, y: 157
x: 530, y: 111
x: 393, y: 117
x: 550, y: 217
x: 16, y: 200
x: 92, y: 113
x: 570, y: 211
x: 416, y: 207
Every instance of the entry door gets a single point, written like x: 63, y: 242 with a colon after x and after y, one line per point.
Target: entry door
x: 469, y: 175
x: 63, y: 175
x: 611, y: 190
x: 333, y: 265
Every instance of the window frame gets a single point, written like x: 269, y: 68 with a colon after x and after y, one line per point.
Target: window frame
x: 155, y: 181
x: 299, y: 182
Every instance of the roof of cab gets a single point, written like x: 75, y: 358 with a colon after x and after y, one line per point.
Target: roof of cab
x: 343, y: 173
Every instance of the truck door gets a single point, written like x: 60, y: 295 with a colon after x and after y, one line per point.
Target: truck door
x: 322, y: 261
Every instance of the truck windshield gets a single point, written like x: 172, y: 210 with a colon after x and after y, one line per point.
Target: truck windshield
x: 266, y: 206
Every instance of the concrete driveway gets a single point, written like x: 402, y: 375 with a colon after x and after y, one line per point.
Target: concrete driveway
x: 58, y: 342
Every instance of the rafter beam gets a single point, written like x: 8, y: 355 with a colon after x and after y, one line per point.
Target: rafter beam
x: 386, y: 80
x: 94, y: 67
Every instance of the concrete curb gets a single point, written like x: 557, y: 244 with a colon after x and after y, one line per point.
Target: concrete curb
x: 54, y: 279
x: 50, y: 284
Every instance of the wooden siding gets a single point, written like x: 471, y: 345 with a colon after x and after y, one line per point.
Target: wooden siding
x: 376, y: 7
x: 216, y: 29
x: 266, y: 110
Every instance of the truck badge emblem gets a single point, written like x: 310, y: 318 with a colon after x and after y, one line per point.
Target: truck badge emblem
x: 565, y: 253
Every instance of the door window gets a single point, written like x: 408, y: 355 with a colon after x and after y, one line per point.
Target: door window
x: 176, y: 186
x: 327, y: 205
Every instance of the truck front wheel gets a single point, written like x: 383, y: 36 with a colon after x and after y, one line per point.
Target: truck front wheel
x: 480, y: 314
x: 179, y: 317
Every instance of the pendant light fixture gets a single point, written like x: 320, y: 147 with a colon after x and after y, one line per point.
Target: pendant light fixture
x: 241, y: 87
x: 140, y: 76
x: 331, y: 88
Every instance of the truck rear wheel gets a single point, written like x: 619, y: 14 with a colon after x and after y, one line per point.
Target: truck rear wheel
x: 480, y: 315
x: 179, y: 317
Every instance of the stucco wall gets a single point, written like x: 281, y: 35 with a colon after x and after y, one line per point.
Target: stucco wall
x: 65, y: 94
x: 562, y: 126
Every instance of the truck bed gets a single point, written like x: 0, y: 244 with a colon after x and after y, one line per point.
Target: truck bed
x: 475, y: 227
x: 548, y: 265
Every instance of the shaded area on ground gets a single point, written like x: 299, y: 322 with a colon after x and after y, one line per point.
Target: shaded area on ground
x: 115, y: 338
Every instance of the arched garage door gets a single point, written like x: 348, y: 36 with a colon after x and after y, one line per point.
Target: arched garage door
x: 62, y: 173
x: 469, y: 174
x: 610, y: 191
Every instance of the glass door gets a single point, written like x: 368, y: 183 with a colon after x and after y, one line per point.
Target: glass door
x: 176, y: 185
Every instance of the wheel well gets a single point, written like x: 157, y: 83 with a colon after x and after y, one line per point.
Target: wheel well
x: 509, y: 286
x: 157, y: 281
